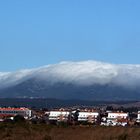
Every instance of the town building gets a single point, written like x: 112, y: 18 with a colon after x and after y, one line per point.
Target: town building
x: 138, y: 117
x: 59, y: 115
x: 89, y: 116
x: 11, y: 112
x: 117, y: 118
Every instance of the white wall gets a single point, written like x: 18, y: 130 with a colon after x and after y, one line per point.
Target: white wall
x: 83, y: 116
x: 117, y: 115
x: 55, y: 114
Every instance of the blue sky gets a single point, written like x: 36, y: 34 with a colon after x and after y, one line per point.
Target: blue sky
x: 40, y: 32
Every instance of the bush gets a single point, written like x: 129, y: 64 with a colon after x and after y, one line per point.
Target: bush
x: 19, y: 118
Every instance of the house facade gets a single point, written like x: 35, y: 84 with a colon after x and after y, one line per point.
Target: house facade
x: 117, y: 118
x: 138, y: 117
x: 60, y: 115
x: 88, y: 116
x: 25, y: 112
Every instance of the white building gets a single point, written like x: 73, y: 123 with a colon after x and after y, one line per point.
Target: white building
x: 117, y: 118
x: 25, y: 112
x: 138, y: 117
x: 60, y: 115
x: 88, y: 116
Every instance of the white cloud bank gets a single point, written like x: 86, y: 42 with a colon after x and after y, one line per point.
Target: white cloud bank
x: 81, y: 73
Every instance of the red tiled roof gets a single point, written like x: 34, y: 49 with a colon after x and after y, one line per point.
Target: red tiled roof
x: 13, y: 109
x: 122, y: 120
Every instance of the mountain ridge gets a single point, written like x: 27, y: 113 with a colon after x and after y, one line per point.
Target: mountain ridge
x: 79, y: 80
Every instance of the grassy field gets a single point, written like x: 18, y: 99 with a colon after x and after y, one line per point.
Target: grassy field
x: 23, y: 131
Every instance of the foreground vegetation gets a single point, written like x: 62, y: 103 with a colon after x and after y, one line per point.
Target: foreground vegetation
x: 25, y: 131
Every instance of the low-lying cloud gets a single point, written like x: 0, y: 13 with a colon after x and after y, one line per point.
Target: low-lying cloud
x: 80, y: 73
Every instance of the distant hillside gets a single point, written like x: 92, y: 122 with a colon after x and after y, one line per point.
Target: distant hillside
x: 57, y: 103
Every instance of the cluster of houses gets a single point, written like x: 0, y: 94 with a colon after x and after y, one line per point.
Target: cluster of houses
x: 116, y: 118
x: 62, y: 115
x: 79, y: 116
x: 89, y: 116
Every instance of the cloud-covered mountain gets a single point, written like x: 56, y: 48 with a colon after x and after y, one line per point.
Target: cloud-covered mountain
x: 69, y: 80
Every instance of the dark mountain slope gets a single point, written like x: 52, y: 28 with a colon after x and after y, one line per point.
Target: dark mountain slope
x: 38, y: 88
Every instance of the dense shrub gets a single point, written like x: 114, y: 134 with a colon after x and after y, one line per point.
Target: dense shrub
x: 19, y: 118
